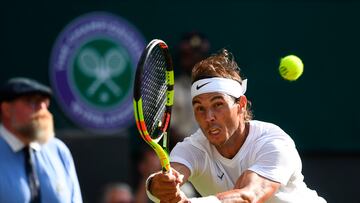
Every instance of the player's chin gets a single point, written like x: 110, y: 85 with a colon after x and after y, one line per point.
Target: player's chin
x: 215, y: 139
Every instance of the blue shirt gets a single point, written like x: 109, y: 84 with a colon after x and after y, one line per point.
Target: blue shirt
x: 54, y: 166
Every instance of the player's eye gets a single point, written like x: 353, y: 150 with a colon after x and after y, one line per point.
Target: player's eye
x: 218, y: 105
x: 199, y: 109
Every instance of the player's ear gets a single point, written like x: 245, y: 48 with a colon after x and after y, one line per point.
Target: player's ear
x: 243, y: 103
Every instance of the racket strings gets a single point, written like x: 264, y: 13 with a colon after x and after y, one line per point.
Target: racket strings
x: 154, y: 91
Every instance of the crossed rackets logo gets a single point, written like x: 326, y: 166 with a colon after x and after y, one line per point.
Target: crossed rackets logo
x: 92, y: 67
x: 102, y: 69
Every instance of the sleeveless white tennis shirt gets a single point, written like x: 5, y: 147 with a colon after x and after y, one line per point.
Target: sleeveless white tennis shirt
x: 268, y: 151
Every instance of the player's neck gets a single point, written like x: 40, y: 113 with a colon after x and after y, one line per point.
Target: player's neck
x: 232, y: 146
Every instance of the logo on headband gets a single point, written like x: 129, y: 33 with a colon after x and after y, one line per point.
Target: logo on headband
x: 202, y: 85
x: 218, y: 84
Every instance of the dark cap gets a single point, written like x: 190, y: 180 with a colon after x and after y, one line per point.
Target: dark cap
x: 16, y: 87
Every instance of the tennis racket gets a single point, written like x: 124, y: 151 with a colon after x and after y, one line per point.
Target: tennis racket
x: 154, y: 97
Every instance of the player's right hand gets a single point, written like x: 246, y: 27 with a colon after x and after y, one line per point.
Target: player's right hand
x: 166, y: 187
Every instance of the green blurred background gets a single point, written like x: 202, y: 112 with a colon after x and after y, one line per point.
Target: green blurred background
x: 320, y: 110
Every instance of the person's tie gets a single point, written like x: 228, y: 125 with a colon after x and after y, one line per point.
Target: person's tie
x: 31, y: 174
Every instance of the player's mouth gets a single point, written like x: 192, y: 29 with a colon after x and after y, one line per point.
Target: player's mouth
x: 215, y: 131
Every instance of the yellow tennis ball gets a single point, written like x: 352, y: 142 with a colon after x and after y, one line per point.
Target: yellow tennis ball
x: 291, y: 67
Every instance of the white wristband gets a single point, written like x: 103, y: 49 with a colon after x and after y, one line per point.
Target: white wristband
x: 208, y: 199
x: 151, y: 197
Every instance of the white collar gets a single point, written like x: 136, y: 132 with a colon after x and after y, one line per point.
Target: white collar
x: 14, y: 143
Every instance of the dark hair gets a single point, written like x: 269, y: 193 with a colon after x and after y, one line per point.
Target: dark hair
x: 221, y: 64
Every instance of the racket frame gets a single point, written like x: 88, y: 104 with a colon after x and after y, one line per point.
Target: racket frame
x: 162, y: 151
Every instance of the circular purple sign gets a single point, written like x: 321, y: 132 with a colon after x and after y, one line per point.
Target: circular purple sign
x: 92, y: 68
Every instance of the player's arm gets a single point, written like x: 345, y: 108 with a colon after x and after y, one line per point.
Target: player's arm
x: 250, y: 188
x: 166, y: 186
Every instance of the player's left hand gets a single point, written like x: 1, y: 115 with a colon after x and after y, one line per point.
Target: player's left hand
x: 166, y: 187
x: 180, y: 198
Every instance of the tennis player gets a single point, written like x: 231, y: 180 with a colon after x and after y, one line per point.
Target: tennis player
x: 231, y: 158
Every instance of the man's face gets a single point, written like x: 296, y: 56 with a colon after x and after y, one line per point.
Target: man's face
x: 118, y: 195
x: 217, y: 115
x: 29, y: 117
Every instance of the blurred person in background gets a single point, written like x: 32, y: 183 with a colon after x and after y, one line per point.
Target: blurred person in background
x: 147, y: 164
x: 231, y: 157
x: 192, y: 48
x: 34, y: 165
x: 117, y: 193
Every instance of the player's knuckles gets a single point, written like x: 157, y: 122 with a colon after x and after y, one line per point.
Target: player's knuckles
x: 168, y: 191
x: 156, y: 188
x: 175, y: 195
x: 169, y: 198
x: 160, y: 191
x: 169, y: 185
x: 176, y: 199
x: 165, y: 194
x: 164, y: 198
x: 163, y: 185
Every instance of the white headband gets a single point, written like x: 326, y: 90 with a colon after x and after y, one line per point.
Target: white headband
x: 217, y: 84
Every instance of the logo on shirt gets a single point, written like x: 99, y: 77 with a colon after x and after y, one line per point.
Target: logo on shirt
x: 92, y: 69
x: 219, y: 174
x: 202, y: 85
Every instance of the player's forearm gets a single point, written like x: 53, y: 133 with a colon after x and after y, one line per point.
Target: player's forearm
x: 245, y: 196
x: 237, y: 196
x: 225, y: 197
x: 251, y: 187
